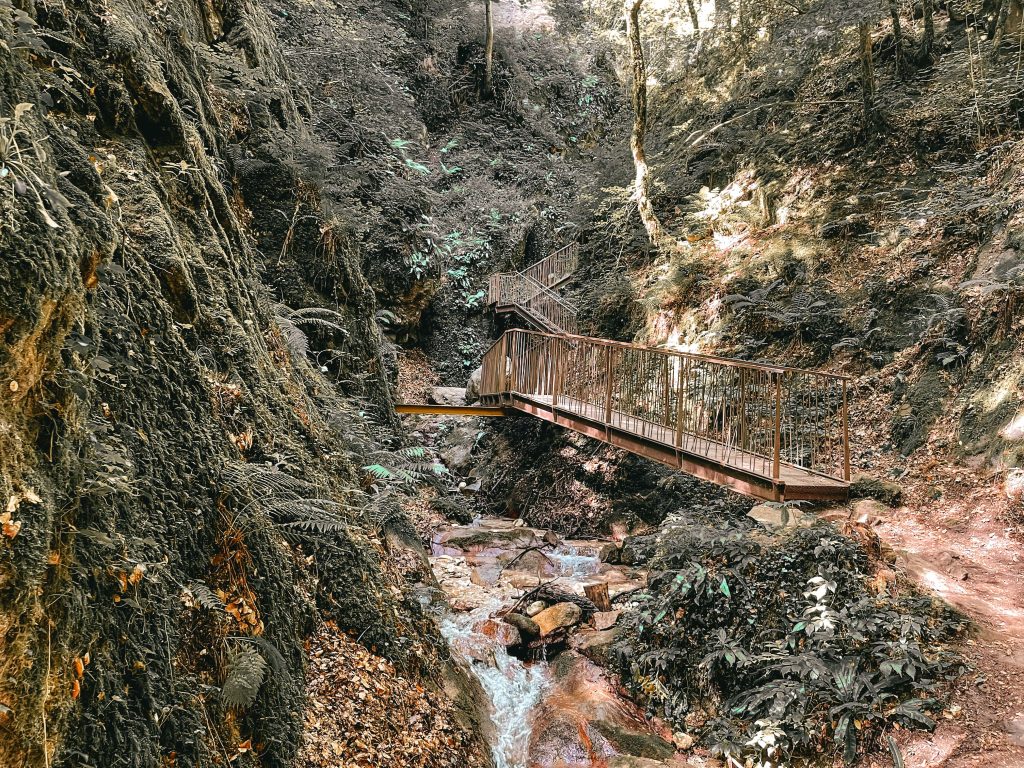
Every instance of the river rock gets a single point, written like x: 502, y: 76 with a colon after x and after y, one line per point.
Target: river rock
x: 595, y: 645
x: 535, y: 607
x: 611, y: 553
x: 527, y: 627
x: 485, y: 574
x: 531, y: 562
x: 456, y: 450
x: 683, y: 741
x: 503, y: 632
x: 885, y: 491
x: 775, y: 515
x: 480, y: 541
x: 603, y: 620
x: 583, y: 721
x: 476, y: 379
x: 637, y: 550
x: 629, y: 761
x: 453, y: 508
x: 558, y: 616
x: 447, y: 396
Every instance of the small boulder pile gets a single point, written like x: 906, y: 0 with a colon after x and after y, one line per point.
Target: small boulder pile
x: 541, y: 626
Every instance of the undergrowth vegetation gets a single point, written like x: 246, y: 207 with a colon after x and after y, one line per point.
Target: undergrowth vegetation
x: 775, y: 649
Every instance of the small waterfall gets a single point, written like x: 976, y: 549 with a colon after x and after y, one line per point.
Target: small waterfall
x: 574, y: 563
x: 512, y: 687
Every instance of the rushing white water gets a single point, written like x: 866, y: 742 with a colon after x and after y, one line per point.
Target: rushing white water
x: 574, y: 563
x: 512, y: 687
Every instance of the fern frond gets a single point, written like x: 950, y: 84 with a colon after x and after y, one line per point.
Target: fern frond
x: 270, y: 653
x: 282, y: 509
x: 315, y: 526
x: 413, y: 452
x: 205, y: 596
x: 289, y: 321
x: 380, y: 472
x: 294, y: 338
x: 246, y: 671
x: 259, y: 480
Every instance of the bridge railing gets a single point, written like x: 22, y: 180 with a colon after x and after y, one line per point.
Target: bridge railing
x: 758, y: 418
x: 515, y: 288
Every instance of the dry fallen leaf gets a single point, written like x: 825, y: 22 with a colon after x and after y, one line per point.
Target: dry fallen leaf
x: 11, y: 528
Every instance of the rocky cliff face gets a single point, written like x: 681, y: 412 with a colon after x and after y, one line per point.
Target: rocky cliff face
x: 166, y: 447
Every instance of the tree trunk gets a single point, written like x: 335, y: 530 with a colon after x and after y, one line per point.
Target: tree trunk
x: 929, y: 31
x: 488, y: 49
x: 636, y: 143
x: 694, y: 15
x: 867, y: 76
x: 897, y: 35
x: 1000, y: 27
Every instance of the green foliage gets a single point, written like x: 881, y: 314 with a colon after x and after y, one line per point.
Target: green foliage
x: 474, y: 300
x: 464, y: 252
x: 405, y: 467
x: 813, y: 311
x: 782, y: 647
x: 292, y: 504
x: 246, y: 671
x: 292, y: 321
x: 416, y: 166
x: 419, y: 264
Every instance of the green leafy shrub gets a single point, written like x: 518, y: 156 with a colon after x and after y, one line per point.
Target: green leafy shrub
x: 771, y: 649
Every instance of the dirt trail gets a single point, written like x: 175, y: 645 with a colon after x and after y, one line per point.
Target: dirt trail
x: 964, y: 551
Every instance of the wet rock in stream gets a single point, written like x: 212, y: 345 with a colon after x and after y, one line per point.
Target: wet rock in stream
x: 582, y: 719
x: 535, y: 643
x: 557, y: 617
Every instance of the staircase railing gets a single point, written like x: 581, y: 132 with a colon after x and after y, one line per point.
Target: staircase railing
x: 544, y: 305
x: 556, y: 266
x: 758, y: 418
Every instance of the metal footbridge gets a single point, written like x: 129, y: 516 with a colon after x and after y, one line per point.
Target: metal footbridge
x: 772, y: 432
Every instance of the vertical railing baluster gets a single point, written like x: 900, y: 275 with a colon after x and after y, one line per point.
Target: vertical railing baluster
x: 608, y: 385
x: 556, y: 383
x: 846, y: 436
x: 777, y: 459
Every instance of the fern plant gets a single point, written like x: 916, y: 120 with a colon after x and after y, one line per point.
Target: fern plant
x: 205, y: 596
x: 19, y: 152
x: 292, y: 321
x: 246, y: 672
x: 405, y: 467
x: 943, y: 326
x: 292, y: 504
x: 813, y: 311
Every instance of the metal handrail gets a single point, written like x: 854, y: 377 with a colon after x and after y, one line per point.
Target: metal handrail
x: 556, y: 266
x: 759, y: 418
x: 534, y: 299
